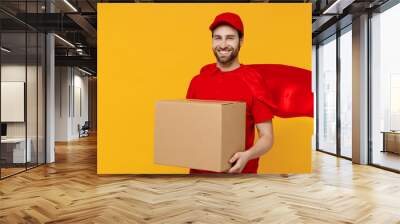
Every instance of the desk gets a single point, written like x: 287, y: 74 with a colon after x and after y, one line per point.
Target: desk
x: 16, y: 151
x: 391, y: 141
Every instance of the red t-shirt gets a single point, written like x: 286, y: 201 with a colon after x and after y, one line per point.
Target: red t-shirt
x: 229, y: 86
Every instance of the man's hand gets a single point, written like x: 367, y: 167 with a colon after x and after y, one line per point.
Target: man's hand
x: 241, y: 159
x: 263, y: 145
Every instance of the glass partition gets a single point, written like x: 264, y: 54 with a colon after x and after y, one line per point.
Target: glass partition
x: 327, y: 95
x: 346, y: 93
x: 385, y: 89
x: 22, y: 88
x: 14, y: 154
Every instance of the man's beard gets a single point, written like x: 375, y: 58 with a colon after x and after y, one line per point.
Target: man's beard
x: 227, y: 60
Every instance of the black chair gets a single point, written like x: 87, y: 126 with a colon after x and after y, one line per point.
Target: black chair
x: 84, y: 130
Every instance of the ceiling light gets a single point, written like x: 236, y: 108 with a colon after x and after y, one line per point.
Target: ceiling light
x: 70, y: 5
x: 337, y: 7
x: 84, y: 71
x: 65, y: 41
x: 5, y: 50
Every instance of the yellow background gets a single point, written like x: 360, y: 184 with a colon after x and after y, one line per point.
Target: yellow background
x: 148, y: 52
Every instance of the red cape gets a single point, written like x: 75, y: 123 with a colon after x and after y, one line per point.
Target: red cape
x: 285, y: 89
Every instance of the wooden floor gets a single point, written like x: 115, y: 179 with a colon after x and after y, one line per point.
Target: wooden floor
x: 5, y: 172
x: 387, y: 159
x: 70, y: 191
x: 8, y: 171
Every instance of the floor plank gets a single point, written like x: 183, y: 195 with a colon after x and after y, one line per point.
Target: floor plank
x: 70, y: 191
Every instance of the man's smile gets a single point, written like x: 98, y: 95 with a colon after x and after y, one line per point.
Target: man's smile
x: 224, y: 52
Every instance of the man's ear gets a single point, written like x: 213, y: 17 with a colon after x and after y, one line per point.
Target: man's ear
x: 241, y: 41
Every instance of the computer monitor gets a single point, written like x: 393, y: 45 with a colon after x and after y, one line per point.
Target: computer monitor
x: 3, y: 129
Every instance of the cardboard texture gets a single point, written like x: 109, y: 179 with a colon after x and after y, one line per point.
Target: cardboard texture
x: 198, y: 134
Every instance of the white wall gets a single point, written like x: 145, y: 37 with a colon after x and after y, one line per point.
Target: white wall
x: 62, y: 81
x: 71, y: 87
x: 33, y: 127
x: 12, y: 73
x: 82, y: 82
x: 16, y: 72
x: 12, y: 101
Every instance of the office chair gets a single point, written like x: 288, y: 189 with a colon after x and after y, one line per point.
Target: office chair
x: 84, y: 130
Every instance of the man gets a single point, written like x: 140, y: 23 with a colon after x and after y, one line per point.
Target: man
x: 229, y: 80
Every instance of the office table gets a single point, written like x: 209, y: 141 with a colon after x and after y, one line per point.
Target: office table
x: 391, y: 141
x: 15, y: 148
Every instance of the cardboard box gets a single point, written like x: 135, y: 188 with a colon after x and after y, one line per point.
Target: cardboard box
x: 198, y: 134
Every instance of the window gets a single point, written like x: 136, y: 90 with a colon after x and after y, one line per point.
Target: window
x: 385, y: 88
x: 327, y: 95
x: 346, y: 92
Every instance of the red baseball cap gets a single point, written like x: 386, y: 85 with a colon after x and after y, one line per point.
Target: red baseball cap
x: 228, y: 18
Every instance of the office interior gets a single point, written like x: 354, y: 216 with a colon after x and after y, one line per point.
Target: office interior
x: 49, y: 80
x: 48, y: 76
x: 372, y: 36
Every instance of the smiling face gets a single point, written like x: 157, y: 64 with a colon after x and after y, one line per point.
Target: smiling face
x: 226, y: 44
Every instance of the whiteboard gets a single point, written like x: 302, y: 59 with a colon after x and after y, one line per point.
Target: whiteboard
x: 12, y: 101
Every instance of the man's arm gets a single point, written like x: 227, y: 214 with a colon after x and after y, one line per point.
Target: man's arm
x: 263, y: 145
